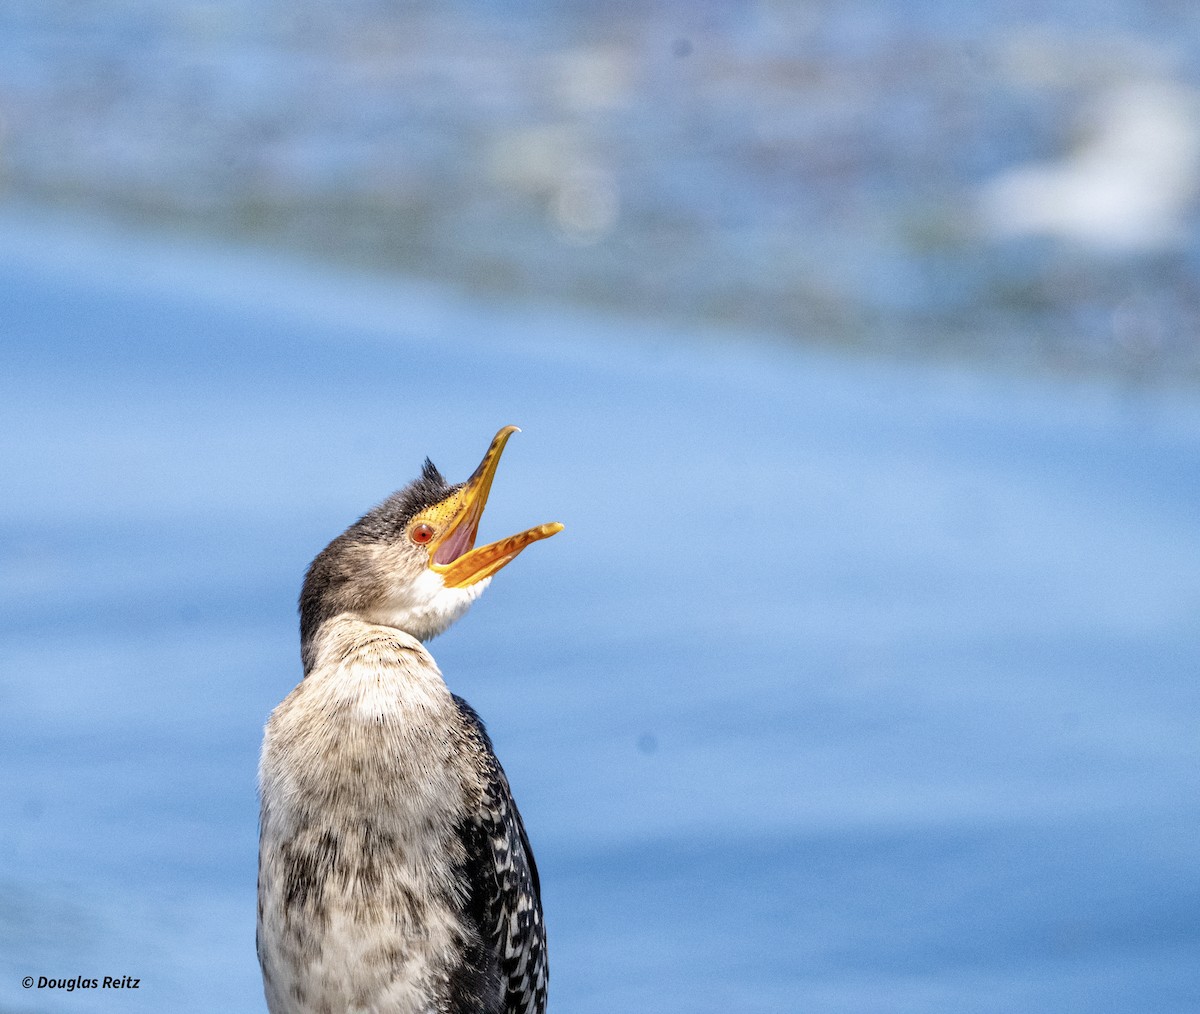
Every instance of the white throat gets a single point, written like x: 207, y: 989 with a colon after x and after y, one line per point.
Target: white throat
x: 425, y: 607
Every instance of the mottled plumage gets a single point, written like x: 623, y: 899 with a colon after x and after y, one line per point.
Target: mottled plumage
x: 395, y: 875
x: 501, y: 865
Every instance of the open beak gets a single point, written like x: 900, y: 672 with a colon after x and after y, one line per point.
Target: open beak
x: 452, y: 551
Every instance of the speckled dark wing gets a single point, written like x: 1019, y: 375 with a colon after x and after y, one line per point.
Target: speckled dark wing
x: 507, y: 895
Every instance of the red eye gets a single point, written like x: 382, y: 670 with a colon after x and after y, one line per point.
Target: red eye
x: 421, y: 534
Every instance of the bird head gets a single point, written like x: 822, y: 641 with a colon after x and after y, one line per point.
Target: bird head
x: 412, y: 562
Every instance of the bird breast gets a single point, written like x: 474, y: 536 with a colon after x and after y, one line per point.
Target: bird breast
x: 365, y: 777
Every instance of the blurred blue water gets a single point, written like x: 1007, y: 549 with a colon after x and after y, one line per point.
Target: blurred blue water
x: 849, y: 687
x: 1005, y: 181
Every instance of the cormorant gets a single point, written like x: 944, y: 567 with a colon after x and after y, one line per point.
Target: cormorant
x: 394, y: 871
